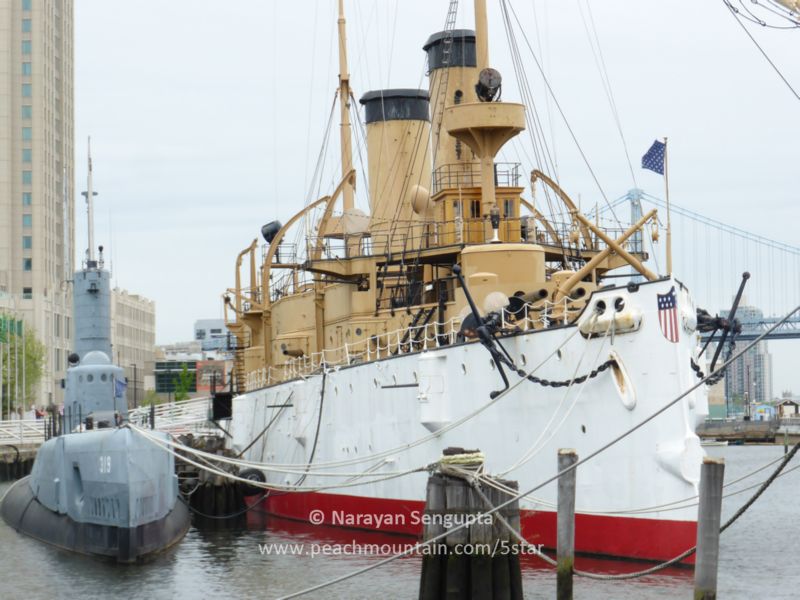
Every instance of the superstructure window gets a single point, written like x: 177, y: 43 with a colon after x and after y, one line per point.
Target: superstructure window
x: 27, y: 264
x: 27, y: 198
x: 27, y: 293
x: 27, y: 177
x: 26, y: 5
x: 27, y: 221
x: 27, y: 111
x: 26, y: 25
x: 27, y: 134
x: 26, y: 68
x: 26, y: 46
x: 475, y: 209
x: 27, y: 155
x: 27, y: 242
x: 27, y: 90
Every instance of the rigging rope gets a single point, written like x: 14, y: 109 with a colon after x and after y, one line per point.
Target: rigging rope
x: 517, y: 497
x: 735, y: 14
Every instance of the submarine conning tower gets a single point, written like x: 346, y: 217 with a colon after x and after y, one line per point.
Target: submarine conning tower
x: 92, y: 305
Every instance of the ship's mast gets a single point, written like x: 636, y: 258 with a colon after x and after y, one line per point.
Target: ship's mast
x: 344, y: 108
x: 90, y: 194
x: 481, y: 35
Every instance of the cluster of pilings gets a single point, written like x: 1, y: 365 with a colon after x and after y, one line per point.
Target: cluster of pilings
x: 211, y: 497
x: 478, y: 561
x: 468, y: 564
x: 16, y: 461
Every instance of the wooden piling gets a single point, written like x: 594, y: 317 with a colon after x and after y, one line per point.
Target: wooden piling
x: 433, y: 567
x: 481, y: 536
x: 565, y: 537
x: 712, y: 475
x: 457, y: 502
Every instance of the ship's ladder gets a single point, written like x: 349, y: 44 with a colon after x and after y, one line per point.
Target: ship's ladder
x: 415, y: 332
x: 239, y: 373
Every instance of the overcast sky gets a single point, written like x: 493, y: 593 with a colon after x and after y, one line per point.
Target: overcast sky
x: 207, y: 118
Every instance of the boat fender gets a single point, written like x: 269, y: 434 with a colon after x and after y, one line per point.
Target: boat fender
x: 252, y: 475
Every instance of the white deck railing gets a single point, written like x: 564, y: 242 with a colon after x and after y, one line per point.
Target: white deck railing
x: 413, y: 338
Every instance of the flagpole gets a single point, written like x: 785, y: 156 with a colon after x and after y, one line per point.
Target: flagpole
x: 669, y: 224
x: 2, y: 328
x: 24, y: 391
x: 16, y: 362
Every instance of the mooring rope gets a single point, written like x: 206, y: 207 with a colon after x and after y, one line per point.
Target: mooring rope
x: 476, y: 478
x: 555, y: 477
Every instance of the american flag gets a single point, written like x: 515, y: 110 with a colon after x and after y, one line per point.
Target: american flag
x: 668, y: 315
x: 654, y: 157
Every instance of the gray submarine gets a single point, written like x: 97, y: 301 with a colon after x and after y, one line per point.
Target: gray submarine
x: 98, y: 488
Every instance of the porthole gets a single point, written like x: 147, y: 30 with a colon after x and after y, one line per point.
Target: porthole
x: 464, y: 368
x: 358, y: 331
x: 103, y: 377
x: 619, y: 304
x: 375, y: 381
x: 80, y: 378
x: 415, y: 376
x: 558, y: 354
x: 523, y: 359
x: 583, y: 428
x: 90, y: 378
x: 491, y: 364
x: 350, y: 386
x: 600, y: 307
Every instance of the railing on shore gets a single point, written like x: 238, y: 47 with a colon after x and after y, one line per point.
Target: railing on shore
x: 22, y: 431
x: 183, y: 416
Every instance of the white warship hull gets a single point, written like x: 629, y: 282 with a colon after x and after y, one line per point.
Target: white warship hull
x: 409, y: 405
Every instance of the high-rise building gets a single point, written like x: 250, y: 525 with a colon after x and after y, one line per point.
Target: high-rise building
x: 133, y: 338
x: 749, y: 378
x: 37, y: 231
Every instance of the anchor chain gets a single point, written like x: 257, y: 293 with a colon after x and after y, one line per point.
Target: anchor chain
x: 567, y: 382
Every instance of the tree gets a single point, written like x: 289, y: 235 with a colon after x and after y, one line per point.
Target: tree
x: 22, y: 361
x: 183, y: 383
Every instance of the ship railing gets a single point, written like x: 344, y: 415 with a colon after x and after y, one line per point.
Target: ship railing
x: 453, y: 176
x: 409, y: 339
x: 379, y: 346
x: 22, y: 431
x: 411, y: 236
x: 542, y: 315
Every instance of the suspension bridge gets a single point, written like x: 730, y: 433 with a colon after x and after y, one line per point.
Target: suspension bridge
x: 709, y: 257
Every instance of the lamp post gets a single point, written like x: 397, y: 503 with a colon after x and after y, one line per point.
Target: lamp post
x: 135, y: 386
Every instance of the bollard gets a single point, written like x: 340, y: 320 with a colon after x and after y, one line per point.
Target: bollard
x: 565, y: 549
x: 712, y: 475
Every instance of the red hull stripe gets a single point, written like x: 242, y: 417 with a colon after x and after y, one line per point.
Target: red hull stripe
x: 625, y: 537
